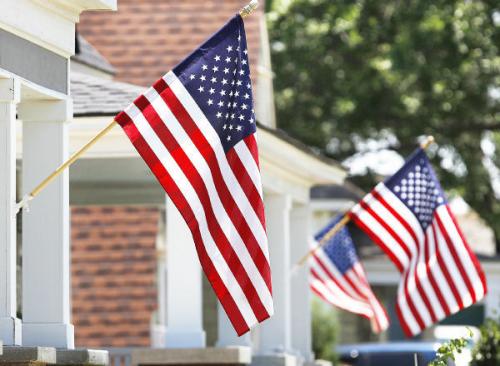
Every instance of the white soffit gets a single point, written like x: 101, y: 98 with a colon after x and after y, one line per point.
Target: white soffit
x: 48, y: 23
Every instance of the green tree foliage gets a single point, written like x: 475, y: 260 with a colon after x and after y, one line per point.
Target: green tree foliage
x: 448, y: 351
x: 349, y: 69
x: 487, y: 350
x: 324, y: 331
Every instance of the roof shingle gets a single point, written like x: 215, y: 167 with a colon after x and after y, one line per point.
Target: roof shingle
x: 145, y: 39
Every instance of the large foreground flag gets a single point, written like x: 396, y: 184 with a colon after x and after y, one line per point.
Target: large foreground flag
x: 338, y: 277
x: 409, y: 218
x: 195, y: 128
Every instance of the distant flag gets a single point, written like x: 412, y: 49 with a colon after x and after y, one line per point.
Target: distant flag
x: 195, y: 128
x: 338, y: 278
x: 409, y: 218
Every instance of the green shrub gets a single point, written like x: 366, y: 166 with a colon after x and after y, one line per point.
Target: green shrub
x: 486, y: 352
x: 324, y: 331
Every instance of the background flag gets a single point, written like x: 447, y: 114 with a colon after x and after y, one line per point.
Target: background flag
x: 409, y: 218
x: 195, y: 129
x: 338, y: 277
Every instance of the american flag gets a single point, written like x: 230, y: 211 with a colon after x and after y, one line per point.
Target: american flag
x: 195, y: 128
x: 338, y: 277
x: 409, y: 218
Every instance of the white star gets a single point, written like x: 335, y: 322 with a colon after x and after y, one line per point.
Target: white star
x: 224, y: 127
x: 249, y: 86
x: 227, y: 115
x: 222, y: 92
x: 203, y: 78
x: 246, y: 96
x: 245, y: 52
x: 238, y: 128
x: 241, y: 117
x: 219, y: 114
x: 229, y: 104
x: 213, y: 80
x: 230, y: 127
x: 201, y: 89
x: 211, y: 91
x: 244, y: 106
x: 224, y: 81
x: 210, y: 102
x: 229, y: 48
x: 220, y: 104
x: 234, y: 104
x: 237, y: 94
x: 226, y: 70
x: 232, y: 82
x: 215, y: 69
x: 233, y: 115
x: 228, y: 138
x: 217, y: 58
x: 231, y: 93
x: 239, y: 37
x: 192, y: 77
x: 251, y: 120
x: 239, y: 83
x: 242, y: 72
x: 228, y: 59
x: 234, y: 72
x: 244, y: 62
x: 204, y: 67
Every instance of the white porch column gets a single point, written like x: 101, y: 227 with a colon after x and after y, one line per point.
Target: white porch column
x: 275, y: 333
x: 301, y: 295
x: 184, y: 285
x: 46, y: 250
x: 226, y: 335
x: 10, y: 326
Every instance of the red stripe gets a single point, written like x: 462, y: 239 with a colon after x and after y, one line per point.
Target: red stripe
x: 346, y: 307
x: 252, y: 146
x: 376, y: 239
x: 402, y: 322
x: 192, y: 174
x: 230, y: 206
x: 406, y: 273
x: 456, y: 259
x: 180, y: 202
x: 472, y: 256
x: 430, y: 275
x: 332, y: 277
x: 246, y: 183
x: 409, y: 229
x: 446, y: 273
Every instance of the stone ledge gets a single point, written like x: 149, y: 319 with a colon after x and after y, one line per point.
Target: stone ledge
x: 82, y: 357
x: 192, y: 356
x: 275, y: 360
x: 27, y: 355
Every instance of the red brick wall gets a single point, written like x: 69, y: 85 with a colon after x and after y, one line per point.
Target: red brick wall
x: 113, y: 275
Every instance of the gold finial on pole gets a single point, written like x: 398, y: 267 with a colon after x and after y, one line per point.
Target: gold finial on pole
x: 249, y: 8
x: 428, y: 140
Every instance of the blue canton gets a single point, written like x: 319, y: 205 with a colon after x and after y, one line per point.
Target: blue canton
x: 416, y: 185
x: 217, y: 75
x: 339, y: 249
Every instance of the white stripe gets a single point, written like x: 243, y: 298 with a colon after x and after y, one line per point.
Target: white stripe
x: 406, y: 312
x: 250, y: 164
x: 213, y: 139
x: 462, y: 252
x: 323, y: 258
x: 189, y: 193
x: 382, y: 233
x: 335, y: 294
x: 359, y: 276
x: 450, y: 264
x: 225, y: 222
x: 439, y: 277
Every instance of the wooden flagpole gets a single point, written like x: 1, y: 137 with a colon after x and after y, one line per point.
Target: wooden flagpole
x: 345, y: 220
x: 245, y: 11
